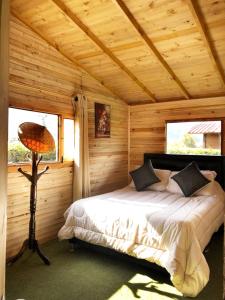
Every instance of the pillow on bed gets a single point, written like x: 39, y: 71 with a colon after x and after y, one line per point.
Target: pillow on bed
x: 180, y: 183
x: 163, y: 175
x: 207, y: 190
x: 144, y: 176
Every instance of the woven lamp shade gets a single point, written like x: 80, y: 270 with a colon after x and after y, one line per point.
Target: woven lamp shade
x: 36, y: 137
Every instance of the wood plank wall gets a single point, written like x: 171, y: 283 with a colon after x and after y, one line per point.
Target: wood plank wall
x: 4, y: 57
x: 148, y: 123
x: 108, y: 156
x: 42, y: 79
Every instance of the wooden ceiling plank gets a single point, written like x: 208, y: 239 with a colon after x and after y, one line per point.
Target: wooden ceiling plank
x: 150, y: 45
x: 73, y: 61
x: 193, y: 6
x: 72, y: 16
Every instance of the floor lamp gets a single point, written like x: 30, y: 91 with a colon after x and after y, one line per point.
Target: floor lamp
x: 38, y: 139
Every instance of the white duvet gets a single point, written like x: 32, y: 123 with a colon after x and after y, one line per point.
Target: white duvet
x: 161, y: 227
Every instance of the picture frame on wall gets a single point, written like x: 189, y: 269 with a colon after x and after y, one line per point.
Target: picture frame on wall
x: 102, y: 120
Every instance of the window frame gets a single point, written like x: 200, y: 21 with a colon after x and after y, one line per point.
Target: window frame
x: 221, y: 119
x: 60, y: 160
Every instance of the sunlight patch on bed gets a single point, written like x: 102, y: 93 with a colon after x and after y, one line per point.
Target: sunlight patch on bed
x: 144, y: 287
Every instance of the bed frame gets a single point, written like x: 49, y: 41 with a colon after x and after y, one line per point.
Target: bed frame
x: 172, y: 162
x: 176, y: 162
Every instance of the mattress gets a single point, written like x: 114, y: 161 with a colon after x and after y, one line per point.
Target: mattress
x: 164, y: 228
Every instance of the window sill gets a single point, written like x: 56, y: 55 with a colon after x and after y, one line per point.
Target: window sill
x: 12, y: 168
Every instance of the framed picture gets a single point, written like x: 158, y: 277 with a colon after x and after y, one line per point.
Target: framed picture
x: 102, y: 120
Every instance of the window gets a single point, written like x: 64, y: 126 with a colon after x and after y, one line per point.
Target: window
x: 198, y: 137
x: 17, y: 153
x: 69, y: 139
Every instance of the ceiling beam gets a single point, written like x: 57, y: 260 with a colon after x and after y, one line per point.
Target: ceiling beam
x: 193, y: 6
x: 150, y: 45
x: 73, y: 61
x: 72, y: 16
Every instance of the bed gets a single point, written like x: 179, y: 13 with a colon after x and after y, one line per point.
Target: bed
x: 161, y: 227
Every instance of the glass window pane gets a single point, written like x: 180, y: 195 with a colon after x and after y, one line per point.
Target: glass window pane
x: 198, y: 137
x: 69, y: 139
x: 16, y: 151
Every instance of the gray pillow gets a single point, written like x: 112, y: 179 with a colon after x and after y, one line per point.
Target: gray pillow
x: 144, y: 176
x: 190, y: 179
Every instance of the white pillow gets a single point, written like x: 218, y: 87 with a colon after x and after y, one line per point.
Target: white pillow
x: 163, y: 175
x: 207, y: 190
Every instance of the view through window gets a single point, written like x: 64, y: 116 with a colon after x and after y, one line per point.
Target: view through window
x: 198, y: 137
x: 17, y: 153
x: 69, y: 141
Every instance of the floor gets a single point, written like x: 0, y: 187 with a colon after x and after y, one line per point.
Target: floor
x: 83, y: 274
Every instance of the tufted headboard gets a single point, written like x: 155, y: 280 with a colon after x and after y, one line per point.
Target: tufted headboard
x: 176, y: 162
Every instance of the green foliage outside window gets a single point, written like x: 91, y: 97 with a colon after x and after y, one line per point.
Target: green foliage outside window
x: 17, y: 153
x: 189, y: 141
x: 197, y: 151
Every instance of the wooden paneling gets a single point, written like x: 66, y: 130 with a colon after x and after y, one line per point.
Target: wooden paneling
x: 199, y: 20
x: 173, y: 30
x: 73, y: 17
x: 108, y: 156
x: 4, y: 36
x: 161, y: 43
x: 42, y: 79
x: 148, y: 123
x: 54, y: 196
x: 151, y: 46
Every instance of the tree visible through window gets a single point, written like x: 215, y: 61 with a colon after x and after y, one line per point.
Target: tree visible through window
x: 17, y: 153
x: 198, y: 137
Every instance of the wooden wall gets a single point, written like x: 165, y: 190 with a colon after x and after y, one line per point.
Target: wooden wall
x: 42, y: 79
x: 4, y: 35
x: 108, y: 156
x: 148, y: 123
x: 54, y: 196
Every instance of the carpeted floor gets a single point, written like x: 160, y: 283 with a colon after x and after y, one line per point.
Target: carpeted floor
x: 87, y: 275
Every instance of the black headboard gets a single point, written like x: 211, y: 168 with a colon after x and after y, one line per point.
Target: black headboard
x: 176, y: 162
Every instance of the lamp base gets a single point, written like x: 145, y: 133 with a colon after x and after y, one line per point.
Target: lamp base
x: 32, y: 246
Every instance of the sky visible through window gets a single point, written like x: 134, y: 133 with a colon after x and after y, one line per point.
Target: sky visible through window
x: 18, y: 116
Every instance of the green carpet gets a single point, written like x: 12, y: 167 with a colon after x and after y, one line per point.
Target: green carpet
x: 84, y: 274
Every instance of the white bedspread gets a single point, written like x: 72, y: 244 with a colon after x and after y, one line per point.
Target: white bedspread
x: 161, y: 227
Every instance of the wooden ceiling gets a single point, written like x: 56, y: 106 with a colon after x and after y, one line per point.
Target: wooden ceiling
x: 142, y: 51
